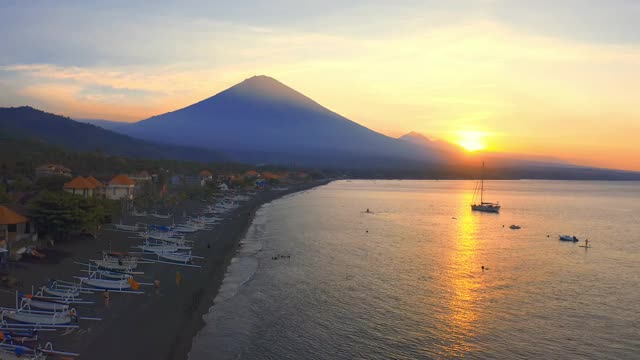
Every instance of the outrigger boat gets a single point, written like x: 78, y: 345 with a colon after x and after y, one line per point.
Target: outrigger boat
x: 138, y: 213
x: 96, y: 280
x: 46, y: 318
x: 160, y: 216
x: 43, y: 304
x: 129, y: 228
x: 11, y: 351
x: 167, y: 248
x: 56, y: 290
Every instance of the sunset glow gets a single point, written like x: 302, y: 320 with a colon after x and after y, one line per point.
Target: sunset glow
x: 471, y: 140
x: 504, y: 67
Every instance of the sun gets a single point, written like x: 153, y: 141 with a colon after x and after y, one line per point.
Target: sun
x: 471, y: 140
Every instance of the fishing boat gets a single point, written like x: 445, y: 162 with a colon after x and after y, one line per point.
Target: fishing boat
x: 138, y: 213
x: 29, y: 316
x: 54, y: 289
x: 11, y: 351
x: 160, y: 216
x: 168, y: 248
x: 129, y: 228
x: 43, y: 304
x: 569, y: 238
x: 177, y: 257
x: 514, y: 227
x: 483, y: 206
x: 96, y: 280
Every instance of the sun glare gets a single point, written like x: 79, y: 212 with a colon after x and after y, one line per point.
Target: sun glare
x: 471, y: 140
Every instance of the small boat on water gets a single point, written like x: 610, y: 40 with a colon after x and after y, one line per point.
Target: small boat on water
x: 483, y: 206
x: 569, y: 238
x: 515, y: 227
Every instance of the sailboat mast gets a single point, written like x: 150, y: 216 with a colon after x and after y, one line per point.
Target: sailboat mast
x: 482, y: 185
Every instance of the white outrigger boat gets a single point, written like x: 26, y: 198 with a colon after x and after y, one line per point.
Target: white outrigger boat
x: 138, y: 213
x: 56, y: 290
x: 483, y: 206
x: 180, y: 258
x: 28, y: 316
x: 167, y: 248
x: 160, y: 216
x: 10, y: 351
x: 43, y: 304
x: 129, y: 228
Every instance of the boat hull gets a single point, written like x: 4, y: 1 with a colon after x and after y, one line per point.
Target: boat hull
x: 486, y: 208
x: 108, y: 284
x: 46, y: 305
x: 40, y: 319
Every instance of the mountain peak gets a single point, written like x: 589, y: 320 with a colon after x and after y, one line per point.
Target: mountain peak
x: 268, y: 88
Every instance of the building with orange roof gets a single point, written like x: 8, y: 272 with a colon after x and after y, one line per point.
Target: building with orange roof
x: 120, y: 187
x: 15, y: 227
x: 205, y: 176
x: 251, y: 174
x: 99, y: 186
x: 80, y: 186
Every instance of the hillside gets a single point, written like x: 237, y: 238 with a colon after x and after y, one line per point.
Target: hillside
x: 33, y: 124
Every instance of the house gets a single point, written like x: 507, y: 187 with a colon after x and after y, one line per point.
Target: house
x: 251, y: 174
x: 52, y: 170
x: 14, y: 228
x: 120, y: 187
x: 99, y: 189
x: 141, y: 176
x: 80, y: 186
x: 205, y: 176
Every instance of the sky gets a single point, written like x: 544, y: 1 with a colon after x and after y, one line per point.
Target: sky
x: 554, y: 78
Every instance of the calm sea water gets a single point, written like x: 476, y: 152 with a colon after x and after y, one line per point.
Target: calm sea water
x: 406, y: 281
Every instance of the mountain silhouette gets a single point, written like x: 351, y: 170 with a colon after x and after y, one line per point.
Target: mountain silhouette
x: 263, y: 120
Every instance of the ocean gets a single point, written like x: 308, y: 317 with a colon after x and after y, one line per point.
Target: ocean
x: 319, y: 278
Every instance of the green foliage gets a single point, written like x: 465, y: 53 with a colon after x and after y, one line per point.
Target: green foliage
x: 4, y: 197
x: 51, y: 183
x: 57, y: 214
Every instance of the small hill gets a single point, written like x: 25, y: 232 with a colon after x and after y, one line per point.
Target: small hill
x: 30, y: 123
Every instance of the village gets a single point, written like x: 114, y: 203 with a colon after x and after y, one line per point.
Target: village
x: 143, y: 225
x: 22, y: 221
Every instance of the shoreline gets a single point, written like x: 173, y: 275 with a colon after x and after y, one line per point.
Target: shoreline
x: 159, y: 324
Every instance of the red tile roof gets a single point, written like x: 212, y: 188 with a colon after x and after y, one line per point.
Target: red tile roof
x: 8, y: 216
x: 97, y: 183
x: 122, y: 180
x: 79, y: 183
x: 205, y: 173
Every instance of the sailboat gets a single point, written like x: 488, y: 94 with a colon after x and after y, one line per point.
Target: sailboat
x: 483, y: 205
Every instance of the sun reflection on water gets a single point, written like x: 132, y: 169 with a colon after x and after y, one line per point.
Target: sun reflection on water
x: 463, y: 282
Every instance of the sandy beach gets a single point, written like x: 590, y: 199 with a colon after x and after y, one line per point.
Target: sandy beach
x: 160, y: 323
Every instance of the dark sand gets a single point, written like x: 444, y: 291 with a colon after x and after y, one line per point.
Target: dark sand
x: 160, y: 324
